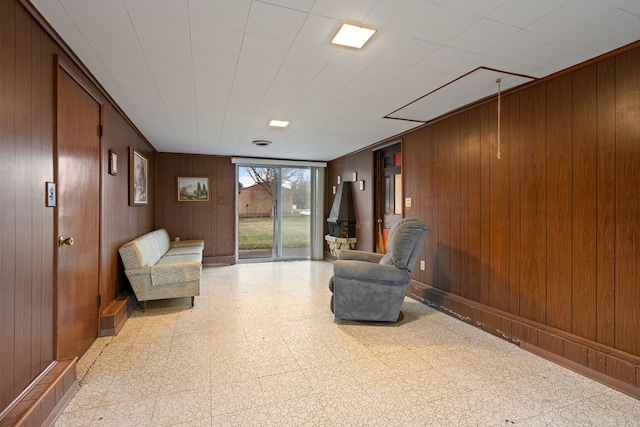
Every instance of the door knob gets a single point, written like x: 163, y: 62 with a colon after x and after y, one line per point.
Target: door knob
x: 62, y: 241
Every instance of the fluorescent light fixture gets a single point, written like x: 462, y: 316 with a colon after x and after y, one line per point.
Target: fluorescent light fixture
x: 279, y: 123
x: 353, y: 36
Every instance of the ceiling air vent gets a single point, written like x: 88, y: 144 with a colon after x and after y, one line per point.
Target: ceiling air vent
x: 261, y: 142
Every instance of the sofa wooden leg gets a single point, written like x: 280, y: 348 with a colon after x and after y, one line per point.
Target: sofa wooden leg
x: 193, y: 299
x: 144, y: 306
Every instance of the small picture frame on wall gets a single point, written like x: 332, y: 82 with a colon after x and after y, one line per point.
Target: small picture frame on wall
x: 193, y: 189
x: 113, y: 163
x: 138, y: 178
x: 51, y: 194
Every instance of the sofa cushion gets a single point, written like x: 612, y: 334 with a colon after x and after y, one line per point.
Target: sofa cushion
x: 146, y: 250
x: 187, y: 250
x: 175, y: 269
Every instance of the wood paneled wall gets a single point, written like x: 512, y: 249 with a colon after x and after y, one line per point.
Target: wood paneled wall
x: 362, y: 163
x: 27, y: 145
x: 547, y: 234
x: 213, y: 221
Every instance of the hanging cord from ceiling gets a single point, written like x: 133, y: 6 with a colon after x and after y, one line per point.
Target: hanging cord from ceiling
x: 498, y: 81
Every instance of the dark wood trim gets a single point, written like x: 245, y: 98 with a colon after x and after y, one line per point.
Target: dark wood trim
x: 219, y: 260
x: 583, y: 370
x: 45, y: 398
x: 614, y: 368
x: 76, y: 77
x: 115, y: 315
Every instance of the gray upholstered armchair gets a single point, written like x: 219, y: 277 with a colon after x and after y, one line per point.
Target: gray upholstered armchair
x: 371, y: 286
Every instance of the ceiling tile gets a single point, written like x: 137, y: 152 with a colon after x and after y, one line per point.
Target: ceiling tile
x: 267, y: 48
x: 399, y: 17
x: 99, y: 17
x: 349, y: 11
x: 557, y: 56
x: 483, y: 35
x: 161, y: 29
x: 442, y: 25
x: 480, y: 8
x: 384, y: 71
x: 216, y: 39
x: 447, y: 58
x: 230, y: 14
x: 318, y: 31
x: 263, y: 18
x: 311, y: 57
x: 302, y: 5
x: 346, y: 63
x: 522, y: 13
x: 215, y: 63
x: 169, y: 8
x: 607, y: 33
x: 565, y: 19
x: 518, y: 45
x: 166, y: 53
x: 409, y: 51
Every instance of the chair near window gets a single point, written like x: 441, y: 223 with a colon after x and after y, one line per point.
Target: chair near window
x: 370, y: 286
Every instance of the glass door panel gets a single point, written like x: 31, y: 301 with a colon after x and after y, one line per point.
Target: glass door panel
x: 295, y: 218
x: 256, y: 192
x: 274, y: 212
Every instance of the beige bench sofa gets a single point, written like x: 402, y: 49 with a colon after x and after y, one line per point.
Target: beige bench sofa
x: 158, y: 268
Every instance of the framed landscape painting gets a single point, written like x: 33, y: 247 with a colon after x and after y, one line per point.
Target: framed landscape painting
x: 193, y: 189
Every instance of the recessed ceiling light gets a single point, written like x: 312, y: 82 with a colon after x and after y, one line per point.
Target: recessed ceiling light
x: 353, y: 36
x: 261, y: 142
x: 279, y: 123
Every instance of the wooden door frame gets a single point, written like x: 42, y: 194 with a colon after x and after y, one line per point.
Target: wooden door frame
x: 62, y: 67
x: 377, y: 179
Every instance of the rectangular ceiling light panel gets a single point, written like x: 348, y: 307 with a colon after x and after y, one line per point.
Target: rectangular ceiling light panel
x: 353, y: 36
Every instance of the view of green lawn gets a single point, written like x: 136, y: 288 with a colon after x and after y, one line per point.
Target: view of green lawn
x: 257, y: 233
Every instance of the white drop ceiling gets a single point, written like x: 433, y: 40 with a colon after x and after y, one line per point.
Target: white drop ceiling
x: 207, y: 76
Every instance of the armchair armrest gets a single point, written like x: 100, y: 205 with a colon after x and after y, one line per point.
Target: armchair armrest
x: 371, y: 257
x: 371, y: 272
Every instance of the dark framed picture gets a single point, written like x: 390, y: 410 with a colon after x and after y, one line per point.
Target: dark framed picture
x: 193, y: 189
x: 113, y: 163
x: 138, y: 178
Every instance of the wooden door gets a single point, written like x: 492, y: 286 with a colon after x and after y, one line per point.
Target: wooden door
x: 78, y: 217
x: 389, y: 193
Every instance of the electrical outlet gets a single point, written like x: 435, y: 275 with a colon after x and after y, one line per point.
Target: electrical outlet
x: 422, y: 265
x: 177, y: 239
x: 407, y: 202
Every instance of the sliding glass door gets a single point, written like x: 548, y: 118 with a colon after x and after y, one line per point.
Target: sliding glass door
x: 274, y: 212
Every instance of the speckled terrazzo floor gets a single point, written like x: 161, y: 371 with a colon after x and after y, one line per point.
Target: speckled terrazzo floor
x: 261, y: 348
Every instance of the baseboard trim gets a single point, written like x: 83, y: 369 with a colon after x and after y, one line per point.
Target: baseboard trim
x: 219, y: 260
x: 614, y: 367
x: 583, y: 370
x: 43, y: 401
